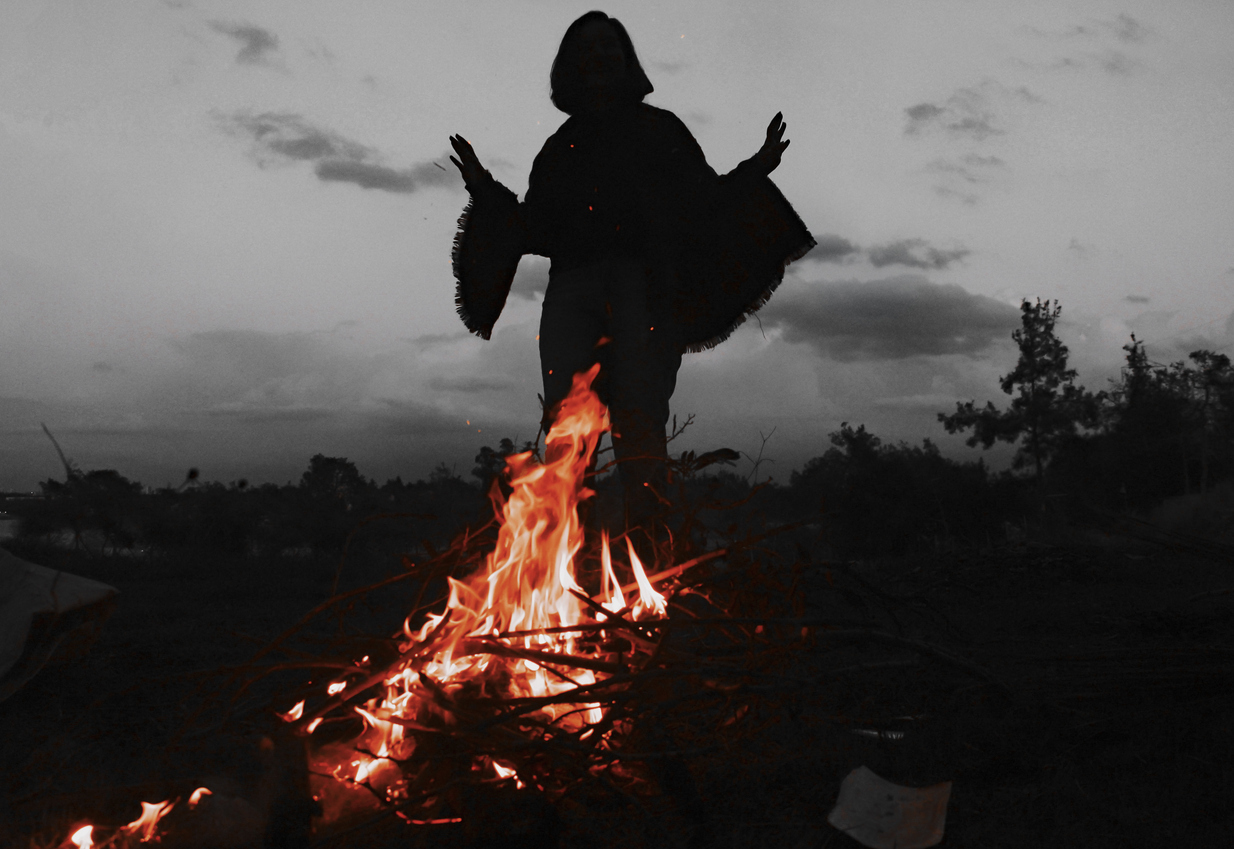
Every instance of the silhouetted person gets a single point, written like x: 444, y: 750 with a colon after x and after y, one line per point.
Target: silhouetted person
x: 653, y: 254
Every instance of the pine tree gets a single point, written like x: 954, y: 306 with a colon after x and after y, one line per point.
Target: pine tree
x: 1047, y: 408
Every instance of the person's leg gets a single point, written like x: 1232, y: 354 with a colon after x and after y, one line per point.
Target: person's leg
x: 642, y: 376
x: 572, y: 321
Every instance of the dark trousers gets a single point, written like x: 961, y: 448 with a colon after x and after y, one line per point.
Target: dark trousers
x: 601, y: 313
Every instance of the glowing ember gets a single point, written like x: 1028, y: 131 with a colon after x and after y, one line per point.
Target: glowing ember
x: 197, y: 794
x: 145, y: 826
x: 144, y: 829
x: 504, y: 771
x: 293, y: 714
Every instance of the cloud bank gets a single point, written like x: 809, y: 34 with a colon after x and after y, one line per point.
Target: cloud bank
x: 912, y: 253
x: 890, y: 319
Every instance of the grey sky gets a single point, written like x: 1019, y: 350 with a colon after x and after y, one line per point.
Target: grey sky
x: 228, y: 225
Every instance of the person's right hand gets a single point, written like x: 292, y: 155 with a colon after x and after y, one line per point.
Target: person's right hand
x: 768, y: 156
x: 469, y: 166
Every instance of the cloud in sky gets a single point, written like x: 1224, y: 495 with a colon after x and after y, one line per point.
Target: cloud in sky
x: 288, y: 137
x: 971, y: 112
x: 338, y: 375
x: 1123, y: 30
x: 965, y: 177
x: 468, y: 384
x: 978, y: 115
x: 1078, y: 249
x: 1153, y: 325
x: 668, y: 67
x: 1116, y: 62
x: 407, y: 418
x: 367, y: 175
x: 1123, y: 27
x: 832, y: 248
x: 531, y: 278
x: 243, y: 414
x: 285, y: 135
x: 1126, y: 28
x: 930, y: 401
x: 246, y: 403
x: 914, y: 253
x: 890, y: 319
x: 256, y: 44
x: 255, y: 373
x: 965, y: 113
x: 972, y: 168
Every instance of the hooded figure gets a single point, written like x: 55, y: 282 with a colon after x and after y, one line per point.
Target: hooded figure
x: 653, y: 254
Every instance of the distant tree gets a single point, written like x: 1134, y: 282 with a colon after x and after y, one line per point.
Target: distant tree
x: 491, y: 463
x: 1212, y: 403
x: 1178, y: 419
x: 1135, y: 380
x: 859, y: 446
x: 333, y: 477
x: 98, y: 500
x: 443, y: 473
x: 1048, y: 408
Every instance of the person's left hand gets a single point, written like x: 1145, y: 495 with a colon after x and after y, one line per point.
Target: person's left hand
x: 768, y: 156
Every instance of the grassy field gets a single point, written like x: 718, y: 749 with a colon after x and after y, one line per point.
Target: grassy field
x: 1104, y: 720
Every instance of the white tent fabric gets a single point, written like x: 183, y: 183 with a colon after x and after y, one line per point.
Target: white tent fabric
x: 27, y: 590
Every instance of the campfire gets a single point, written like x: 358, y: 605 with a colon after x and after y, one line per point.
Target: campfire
x: 523, y: 663
x: 520, y: 645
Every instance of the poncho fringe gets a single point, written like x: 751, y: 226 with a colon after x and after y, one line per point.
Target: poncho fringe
x: 460, y: 293
x: 487, y: 247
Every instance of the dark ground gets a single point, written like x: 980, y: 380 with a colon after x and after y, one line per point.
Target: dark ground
x: 1114, y: 730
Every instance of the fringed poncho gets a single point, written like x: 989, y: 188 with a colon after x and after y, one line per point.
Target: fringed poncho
x: 633, y: 183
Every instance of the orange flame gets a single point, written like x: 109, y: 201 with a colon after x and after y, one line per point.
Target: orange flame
x: 81, y: 838
x: 528, y: 581
x: 527, y: 586
x: 146, y: 825
x: 504, y: 771
x: 648, y: 598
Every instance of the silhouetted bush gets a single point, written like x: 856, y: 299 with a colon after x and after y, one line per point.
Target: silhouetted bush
x: 331, y: 504
x: 874, y: 499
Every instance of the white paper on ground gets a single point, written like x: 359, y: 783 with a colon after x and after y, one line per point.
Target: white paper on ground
x: 882, y: 815
x: 27, y: 589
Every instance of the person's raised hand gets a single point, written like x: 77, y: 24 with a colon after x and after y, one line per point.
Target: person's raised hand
x: 768, y: 156
x: 468, y: 163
